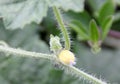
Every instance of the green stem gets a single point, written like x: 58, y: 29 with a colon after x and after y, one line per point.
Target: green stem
x: 62, y: 27
x: 23, y: 53
x: 70, y: 69
x: 86, y: 76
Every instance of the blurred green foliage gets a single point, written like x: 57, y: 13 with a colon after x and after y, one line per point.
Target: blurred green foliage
x: 34, y: 37
x: 18, y: 13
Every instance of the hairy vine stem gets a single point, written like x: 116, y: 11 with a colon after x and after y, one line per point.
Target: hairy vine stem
x: 23, y: 53
x: 86, y: 76
x: 62, y: 27
x: 67, y: 68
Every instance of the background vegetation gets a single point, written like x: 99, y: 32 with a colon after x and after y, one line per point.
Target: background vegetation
x: 28, y: 24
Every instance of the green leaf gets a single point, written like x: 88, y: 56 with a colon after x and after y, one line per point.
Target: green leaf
x: 94, y: 32
x: 80, y: 29
x: 18, y: 13
x: 75, y: 5
x: 106, y: 10
x: 106, y: 25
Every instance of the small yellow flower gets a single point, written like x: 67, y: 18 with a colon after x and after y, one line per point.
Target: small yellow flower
x: 67, y: 57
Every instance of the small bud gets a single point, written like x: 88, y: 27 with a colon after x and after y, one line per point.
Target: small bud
x: 55, y: 44
x: 67, y: 57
